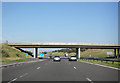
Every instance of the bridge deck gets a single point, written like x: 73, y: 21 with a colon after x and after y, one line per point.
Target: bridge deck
x: 65, y: 45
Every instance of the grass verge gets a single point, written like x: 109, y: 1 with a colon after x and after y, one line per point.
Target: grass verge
x: 108, y: 63
x: 17, y: 60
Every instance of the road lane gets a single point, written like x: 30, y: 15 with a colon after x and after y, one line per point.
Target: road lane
x: 96, y: 73
x: 12, y: 72
x: 64, y: 70
x: 55, y: 71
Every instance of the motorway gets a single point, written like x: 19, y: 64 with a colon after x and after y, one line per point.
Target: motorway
x: 48, y: 70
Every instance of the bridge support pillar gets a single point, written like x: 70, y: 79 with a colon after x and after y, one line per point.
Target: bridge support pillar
x: 114, y: 52
x: 35, y: 52
x: 118, y: 53
x: 78, y: 53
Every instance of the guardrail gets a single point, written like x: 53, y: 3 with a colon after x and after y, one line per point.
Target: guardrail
x: 101, y: 59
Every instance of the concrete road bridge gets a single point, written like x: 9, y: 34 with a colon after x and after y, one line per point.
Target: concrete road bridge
x: 78, y: 46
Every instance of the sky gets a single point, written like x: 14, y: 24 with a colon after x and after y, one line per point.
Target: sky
x: 69, y: 22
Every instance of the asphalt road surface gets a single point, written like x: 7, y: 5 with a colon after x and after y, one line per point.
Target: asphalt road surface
x: 64, y: 70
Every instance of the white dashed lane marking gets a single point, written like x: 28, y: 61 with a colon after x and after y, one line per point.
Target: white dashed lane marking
x: 38, y: 68
x: 89, y: 80
x: 74, y: 67
x: 12, y: 80
x: 17, y: 78
x: 23, y: 75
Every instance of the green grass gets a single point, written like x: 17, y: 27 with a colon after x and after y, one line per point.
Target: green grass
x: 87, y: 53
x: 109, y: 63
x: 9, y: 53
x: 96, y: 52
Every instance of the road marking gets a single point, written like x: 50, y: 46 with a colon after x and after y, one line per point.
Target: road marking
x: 23, y: 75
x: 12, y: 80
x: 38, y: 68
x: 74, y: 67
x: 89, y: 80
x: 100, y: 65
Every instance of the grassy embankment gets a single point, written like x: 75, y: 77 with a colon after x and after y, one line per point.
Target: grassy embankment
x: 100, y: 53
x: 87, y: 53
x: 11, y: 54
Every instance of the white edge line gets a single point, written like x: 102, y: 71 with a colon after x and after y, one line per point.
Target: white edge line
x: 101, y: 65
